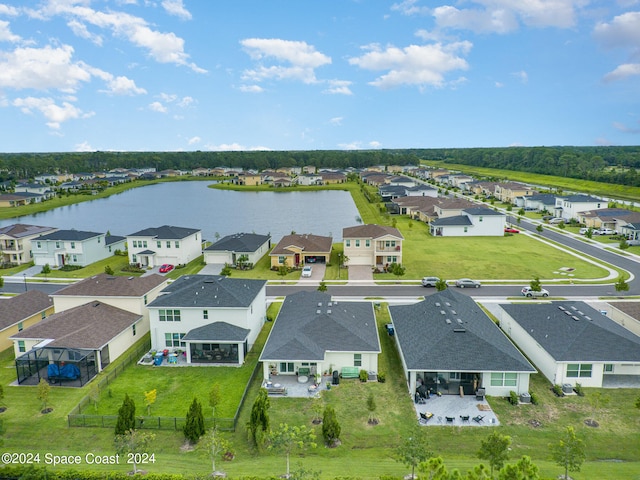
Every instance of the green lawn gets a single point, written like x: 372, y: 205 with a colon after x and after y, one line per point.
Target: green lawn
x: 116, y: 262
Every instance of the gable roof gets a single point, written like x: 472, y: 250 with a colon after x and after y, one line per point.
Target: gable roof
x: 456, y: 220
x: 310, y: 324
x: 211, y: 291
x: 21, y: 307
x: 218, y: 331
x: 306, y: 242
x: 88, y: 326
x: 103, y: 285
x: 69, y: 235
x: 165, y: 232
x: 239, y: 242
x: 370, y: 231
x: 20, y: 230
x: 581, y: 199
x: 575, y: 332
x: 486, y: 211
x: 470, y: 341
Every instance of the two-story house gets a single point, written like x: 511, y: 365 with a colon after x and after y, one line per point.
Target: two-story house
x: 570, y: 207
x: 372, y: 245
x: 476, y: 221
x: 74, y: 247
x: 15, y: 242
x: 20, y: 312
x: 166, y: 244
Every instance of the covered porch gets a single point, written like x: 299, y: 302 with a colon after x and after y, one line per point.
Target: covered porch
x: 218, y: 342
x: 59, y: 366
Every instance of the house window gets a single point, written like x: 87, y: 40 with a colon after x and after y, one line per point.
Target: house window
x: 347, y: 243
x: 144, y: 244
x: 177, y: 244
x: 357, y: 359
x: 43, y: 315
x: 159, y: 244
x: 281, y: 260
x: 357, y: 243
x: 109, y: 248
x: 134, y: 259
x: 73, y: 244
x: 145, y: 299
x: 465, y: 229
x: 393, y: 243
x: 504, y: 379
x: 57, y: 244
x: 134, y: 243
x: 174, y: 340
x: 169, y: 315
x: 133, y: 329
x: 286, y: 367
x: 39, y: 245
x: 168, y: 244
x: 99, y: 239
x: 20, y: 326
x: 205, y: 314
x: 608, y: 367
x: 582, y: 370
x: 480, y: 219
x: 387, y: 243
x: 367, y: 243
x: 393, y: 259
x: 21, y: 347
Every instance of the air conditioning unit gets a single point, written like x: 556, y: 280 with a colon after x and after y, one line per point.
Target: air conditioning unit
x: 567, y: 388
x: 525, y: 397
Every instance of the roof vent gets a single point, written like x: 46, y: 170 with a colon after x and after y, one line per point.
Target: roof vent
x: 588, y: 318
x: 318, y: 312
x: 442, y: 312
x: 437, y: 304
x: 459, y: 330
x: 447, y: 304
x: 459, y: 320
x: 577, y: 319
x: 567, y: 312
x: 573, y: 308
x: 328, y: 311
x: 581, y: 313
x: 319, y: 304
x: 329, y: 304
x: 448, y: 320
x: 561, y: 308
x: 454, y: 312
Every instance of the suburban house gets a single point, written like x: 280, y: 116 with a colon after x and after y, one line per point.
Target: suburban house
x: 571, y: 342
x: 249, y: 179
x: 421, y: 190
x: 449, y: 345
x: 132, y: 294
x: 629, y: 226
x: 248, y: 247
x: 297, y: 249
x: 508, y: 191
x: 75, y: 345
x: 476, y: 222
x: 20, y: 312
x: 309, y: 179
x: 166, y: 244
x: 15, y: 242
x: 330, y: 178
x: 604, y: 218
x: 314, y: 334
x: 37, y: 188
x: 538, y: 202
x: 571, y: 206
x: 74, y: 247
x: 372, y: 245
x: 212, y: 319
x: 20, y: 198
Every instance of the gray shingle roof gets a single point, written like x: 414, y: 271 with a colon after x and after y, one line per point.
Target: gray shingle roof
x: 103, y: 285
x: 429, y: 343
x: 166, y: 232
x: 199, y: 291
x: 16, y: 309
x: 592, y: 337
x: 239, y: 242
x: 461, y: 220
x: 218, y: 332
x: 581, y: 199
x: 370, y: 231
x: 20, y: 230
x: 300, y: 333
x: 482, y: 211
x: 69, y: 235
x: 308, y: 242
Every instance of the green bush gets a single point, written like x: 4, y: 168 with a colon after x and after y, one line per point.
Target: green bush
x: 381, y: 377
x: 534, y: 398
x: 363, y: 375
x: 70, y: 268
x: 557, y: 389
x: 513, y: 398
x: 578, y: 389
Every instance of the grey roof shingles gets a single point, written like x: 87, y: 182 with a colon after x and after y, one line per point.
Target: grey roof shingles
x: 429, y: 343
x: 483, y: 211
x: 239, y: 242
x: 300, y: 333
x: 166, y: 232
x: 370, y: 231
x: 21, y: 307
x: 218, y: 332
x: 69, y: 235
x: 593, y: 337
x: 461, y: 220
x: 103, y: 285
x: 211, y: 291
x: 20, y: 230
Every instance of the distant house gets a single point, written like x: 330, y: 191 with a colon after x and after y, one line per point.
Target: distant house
x: 248, y: 179
x: 297, y: 249
x: 330, y: 178
x: 20, y: 312
x: 20, y: 198
x: 230, y: 248
x: 309, y: 179
x: 74, y: 247
x: 476, y: 222
x: 448, y: 344
x: 571, y: 342
x: 538, y: 202
x: 372, y: 245
x: 15, y: 242
x: 213, y: 319
x: 508, y: 191
x: 315, y: 333
x: 166, y: 244
x: 421, y: 190
x: 569, y: 207
x: 604, y: 217
x: 629, y: 226
x: 37, y: 188
x: 626, y: 314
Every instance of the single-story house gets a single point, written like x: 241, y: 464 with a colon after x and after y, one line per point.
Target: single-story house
x: 74, y: 247
x: 604, y: 218
x: 372, y: 245
x: 314, y: 334
x: 84, y: 339
x: 448, y: 344
x: 212, y: 319
x: 15, y: 242
x: 297, y: 249
x: 476, y: 222
x: 571, y: 342
x: 231, y: 248
x: 166, y: 244
x: 20, y: 312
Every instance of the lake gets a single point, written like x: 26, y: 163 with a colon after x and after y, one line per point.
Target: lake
x: 193, y: 204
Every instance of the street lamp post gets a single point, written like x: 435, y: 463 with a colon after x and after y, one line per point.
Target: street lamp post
x: 339, y: 264
x: 25, y: 281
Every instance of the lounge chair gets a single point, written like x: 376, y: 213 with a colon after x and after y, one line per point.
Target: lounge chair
x: 478, y: 419
x: 425, y: 417
x: 450, y: 419
x: 464, y: 418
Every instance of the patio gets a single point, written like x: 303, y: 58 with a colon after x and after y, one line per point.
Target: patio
x: 295, y: 386
x: 454, y: 406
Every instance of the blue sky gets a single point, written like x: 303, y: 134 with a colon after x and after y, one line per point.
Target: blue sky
x: 214, y: 75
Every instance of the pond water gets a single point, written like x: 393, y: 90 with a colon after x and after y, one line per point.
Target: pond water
x: 194, y: 205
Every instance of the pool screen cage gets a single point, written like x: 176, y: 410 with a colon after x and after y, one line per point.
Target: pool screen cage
x: 71, y: 367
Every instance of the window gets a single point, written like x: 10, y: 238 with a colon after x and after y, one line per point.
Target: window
x: 144, y: 244
x: 43, y: 315
x: 134, y: 259
x: 387, y: 243
x: 99, y: 239
x: 73, y: 244
x: 465, y: 229
x: 357, y: 359
x: 21, y: 347
x: 177, y: 244
x: 480, y: 219
x: 504, y: 379
x: 145, y: 300
x: 367, y: 243
x: 205, y: 314
x: 39, y: 245
x: 575, y: 370
x: 168, y: 244
x: 347, y: 243
x: 75, y: 258
x: 286, y: 367
x: 159, y: 244
x: 133, y: 329
x: 393, y: 243
x: 57, y: 244
x: 169, y: 315
x: 20, y: 326
x: 174, y: 340
x: 281, y: 260
x: 357, y: 243
x: 608, y: 367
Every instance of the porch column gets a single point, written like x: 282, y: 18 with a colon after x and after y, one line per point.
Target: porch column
x: 98, y: 360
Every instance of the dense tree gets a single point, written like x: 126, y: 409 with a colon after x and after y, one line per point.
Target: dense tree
x: 621, y: 285
x: 330, y: 427
x: 194, y: 423
x: 568, y: 452
x: 259, y: 420
x: 126, y: 416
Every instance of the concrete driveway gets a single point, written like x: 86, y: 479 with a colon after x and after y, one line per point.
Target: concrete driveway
x: 317, y: 273
x: 359, y: 274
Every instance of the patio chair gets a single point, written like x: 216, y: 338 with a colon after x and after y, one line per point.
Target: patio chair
x: 464, y: 418
x: 425, y: 417
x: 450, y: 419
x: 478, y: 419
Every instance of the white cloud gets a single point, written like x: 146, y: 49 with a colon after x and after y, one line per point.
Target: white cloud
x: 123, y: 86
x: 251, y: 88
x: 623, y: 71
x: 8, y: 10
x: 350, y: 146
x: 84, y: 147
x: 186, y: 101
x: 55, y: 114
x: 481, y: 21
x: 498, y: 84
x: 623, y: 128
x: 521, y: 75
x: 168, y: 98
x: 300, y: 59
x: 623, y: 31
x: 81, y: 30
x: 194, y: 140
x: 176, y: 7
x: 410, y: 7
x: 5, y: 33
x: 422, y: 65
x: 375, y: 144
x: 336, y: 121
x: 157, y: 107
x: 235, y: 147
x: 340, y: 87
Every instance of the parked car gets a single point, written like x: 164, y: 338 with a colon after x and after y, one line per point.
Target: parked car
x: 633, y: 243
x: 166, y: 268
x: 511, y: 230
x: 306, y: 271
x: 467, y: 283
x: 556, y: 220
x: 548, y: 217
x: 606, y: 231
x: 584, y: 230
x: 529, y: 292
x: 430, y: 281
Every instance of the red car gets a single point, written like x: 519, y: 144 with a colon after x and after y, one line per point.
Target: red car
x: 166, y: 268
x: 511, y: 230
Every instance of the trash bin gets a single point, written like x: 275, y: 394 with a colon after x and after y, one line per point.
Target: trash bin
x: 158, y: 358
x: 336, y: 377
x: 525, y: 397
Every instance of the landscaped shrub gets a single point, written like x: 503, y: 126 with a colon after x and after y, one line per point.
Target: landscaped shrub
x: 381, y: 377
x: 578, y: 389
x: 513, y: 398
x: 534, y: 398
x: 557, y: 389
x: 70, y: 268
x: 363, y: 375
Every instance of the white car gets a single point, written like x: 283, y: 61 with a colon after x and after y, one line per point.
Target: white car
x: 606, y: 231
x: 306, y: 271
x: 528, y: 292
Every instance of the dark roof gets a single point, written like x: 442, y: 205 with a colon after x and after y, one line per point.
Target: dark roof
x: 218, y: 331
x: 469, y: 342
x: 544, y: 198
x: 103, y: 285
x: 69, y: 235
x: 307, y: 242
x: 608, y: 212
x: 575, y: 332
x: 310, y: 324
x: 166, y: 232
x: 111, y: 239
x: 21, y: 307
x: 147, y: 252
x: 239, y: 242
x: 370, y: 231
x: 419, y: 188
x: 20, y: 230
x: 461, y: 220
x: 582, y: 199
x: 198, y: 291
x: 90, y: 326
x: 482, y: 211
